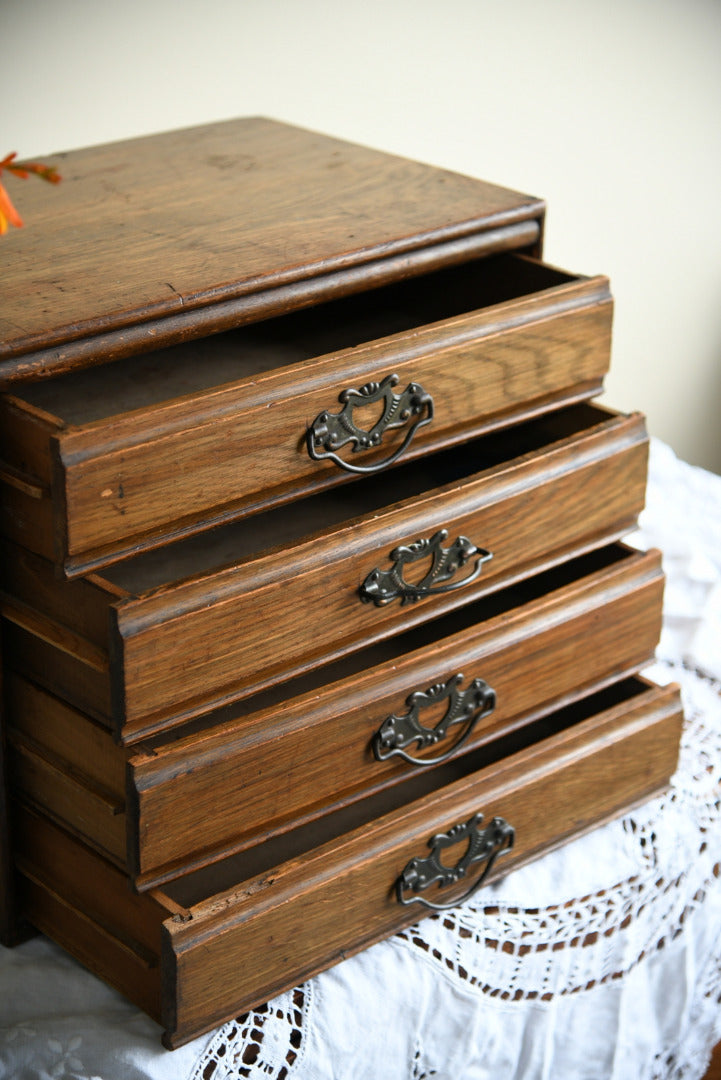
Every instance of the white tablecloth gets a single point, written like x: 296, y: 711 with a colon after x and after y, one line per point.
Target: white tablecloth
x: 601, y: 960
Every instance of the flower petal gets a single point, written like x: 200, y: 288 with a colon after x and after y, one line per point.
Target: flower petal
x: 8, y: 213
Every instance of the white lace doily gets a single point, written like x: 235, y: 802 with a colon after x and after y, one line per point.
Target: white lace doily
x: 601, y: 961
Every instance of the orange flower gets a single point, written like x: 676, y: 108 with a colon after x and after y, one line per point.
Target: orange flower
x: 8, y: 213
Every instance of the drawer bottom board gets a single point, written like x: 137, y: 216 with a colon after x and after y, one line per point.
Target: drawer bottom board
x: 220, y: 941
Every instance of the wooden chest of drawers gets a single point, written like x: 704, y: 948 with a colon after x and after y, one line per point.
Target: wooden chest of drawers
x: 315, y: 612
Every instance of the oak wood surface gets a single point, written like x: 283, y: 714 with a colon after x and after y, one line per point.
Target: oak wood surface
x: 29, y: 581
x: 203, y: 642
x: 239, y: 782
x: 84, y: 747
x: 45, y: 653
x: 8, y: 905
x: 228, y: 947
x: 27, y: 519
x: 558, y: 788
x: 444, y: 307
x: 158, y: 384
x: 218, y: 634
x: 270, y: 767
x: 263, y: 207
x: 24, y: 435
x: 87, y: 940
x: 42, y: 779
x: 129, y: 480
x: 53, y: 856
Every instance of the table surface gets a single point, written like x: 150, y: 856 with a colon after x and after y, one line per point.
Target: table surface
x: 600, y: 960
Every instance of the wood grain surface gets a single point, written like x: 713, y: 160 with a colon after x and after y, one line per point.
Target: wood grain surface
x: 227, y: 947
x: 42, y: 779
x: 241, y: 781
x: 194, y: 669
x: 202, y: 219
x: 58, y: 660
x: 84, y: 747
x: 206, y: 623
x: 203, y: 642
x: 125, y: 476
x: 8, y: 905
x: 312, y: 912
x: 52, y: 855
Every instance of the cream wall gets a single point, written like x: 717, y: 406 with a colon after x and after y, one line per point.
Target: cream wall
x: 609, y: 109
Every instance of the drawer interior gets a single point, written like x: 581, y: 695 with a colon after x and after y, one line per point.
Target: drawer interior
x: 146, y: 380
x: 229, y: 544
x: 195, y: 887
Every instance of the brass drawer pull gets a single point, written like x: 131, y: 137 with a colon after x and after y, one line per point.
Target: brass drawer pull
x: 468, y: 706
x: 331, y: 431
x: 484, y: 845
x: 383, y: 586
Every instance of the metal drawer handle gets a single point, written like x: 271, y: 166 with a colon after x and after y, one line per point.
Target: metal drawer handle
x: 468, y: 706
x: 331, y: 431
x: 484, y: 846
x: 383, y: 586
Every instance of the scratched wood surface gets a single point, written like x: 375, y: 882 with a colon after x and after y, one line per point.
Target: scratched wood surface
x: 212, y: 635
x: 210, y: 223
x: 251, y: 773
x: 180, y: 585
x: 100, y: 463
x: 333, y: 891
x: 278, y: 766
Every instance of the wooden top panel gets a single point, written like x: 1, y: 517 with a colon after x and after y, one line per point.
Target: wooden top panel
x: 147, y: 230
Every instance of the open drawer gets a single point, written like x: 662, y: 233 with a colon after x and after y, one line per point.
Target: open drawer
x: 222, y: 940
x: 102, y: 462
x: 220, y: 616
x: 348, y: 730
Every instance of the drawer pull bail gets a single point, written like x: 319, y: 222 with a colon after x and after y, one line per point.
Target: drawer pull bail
x: 484, y: 846
x: 468, y: 706
x: 383, y: 586
x: 329, y: 432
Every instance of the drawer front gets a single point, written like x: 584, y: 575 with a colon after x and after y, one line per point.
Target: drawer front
x: 179, y: 651
x: 268, y: 769
x: 239, y: 948
x: 147, y: 475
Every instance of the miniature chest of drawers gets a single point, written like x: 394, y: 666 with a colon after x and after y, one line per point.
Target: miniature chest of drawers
x: 315, y: 610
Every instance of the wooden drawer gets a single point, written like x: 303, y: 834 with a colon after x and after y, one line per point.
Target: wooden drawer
x: 195, y: 231
x: 249, y: 773
x: 223, y: 615
x: 225, y: 939
x: 309, y: 554
x: 101, y: 463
